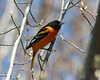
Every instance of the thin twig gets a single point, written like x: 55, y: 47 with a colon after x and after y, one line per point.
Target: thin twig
x: 85, y: 9
x: 90, y: 14
x: 31, y: 25
x: 38, y: 23
x: 24, y: 48
x: 91, y: 27
x: 23, y: 63
x: 3, y: 75
x: 33, y: 16
x: 24, y: 54
x: 39, y: 62
x: 82, y: 8
x: 73, y: 5
x: 22, y: 2
x: 23, y: 14
x: 18, y: 8
x: 8, y: 31
x: 14, y: 22
x: 72, y: 44
x: 6, y: 44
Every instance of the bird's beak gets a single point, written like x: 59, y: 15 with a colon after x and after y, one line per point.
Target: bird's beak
x: 61, y: 23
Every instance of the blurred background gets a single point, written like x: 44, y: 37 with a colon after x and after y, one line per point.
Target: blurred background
x: 66, y: 62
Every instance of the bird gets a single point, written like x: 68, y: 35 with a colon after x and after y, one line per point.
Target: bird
x: 44, y: 36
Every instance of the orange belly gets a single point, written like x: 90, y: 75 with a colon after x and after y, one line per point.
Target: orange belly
x: 43, y: 42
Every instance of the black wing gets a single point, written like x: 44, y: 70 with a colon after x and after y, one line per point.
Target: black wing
x: 40, y: 35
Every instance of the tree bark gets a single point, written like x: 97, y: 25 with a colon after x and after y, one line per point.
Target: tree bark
x: 93, y: 50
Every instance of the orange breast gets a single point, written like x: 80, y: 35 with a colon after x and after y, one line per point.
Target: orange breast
x: 42, y: 43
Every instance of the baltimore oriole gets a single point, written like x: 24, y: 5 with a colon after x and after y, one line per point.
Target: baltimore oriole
x: 43, y: 37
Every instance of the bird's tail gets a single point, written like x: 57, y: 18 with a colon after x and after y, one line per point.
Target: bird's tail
x: 32, y: 63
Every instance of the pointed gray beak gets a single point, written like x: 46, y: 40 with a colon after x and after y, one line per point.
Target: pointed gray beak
x: 61, y: 23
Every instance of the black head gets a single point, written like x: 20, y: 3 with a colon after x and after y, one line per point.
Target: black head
x: 55, y: 24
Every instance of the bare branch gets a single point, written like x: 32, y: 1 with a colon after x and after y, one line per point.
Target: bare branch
x: 3, y: 75
x: 18, y: 8
x: 62, y: 7
x: 14, y: 22
x: 73, y: 4
x: 39, y: 61
x: 46, y: 60
x: 62, y: 14
x: 23, y: 63
x: 8, y: 31
x: 17, y: 42
x: 19, y: 33
x: 90, y: 13
x: 91, y: 27
x: 22, y: 2
x: 6, y: 44
x: 32, y: 16
x: 72, y: 44
x: 85, y: 9
x: 24, y: 54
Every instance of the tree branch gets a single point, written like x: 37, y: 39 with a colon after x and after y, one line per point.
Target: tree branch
x: 72, y: 44
x: 6, y: 44
x: 62, y: 14
x: 17, y: 42
x: 8, y: 31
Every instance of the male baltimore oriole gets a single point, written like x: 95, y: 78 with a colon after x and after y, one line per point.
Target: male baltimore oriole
x: 43, y: 37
